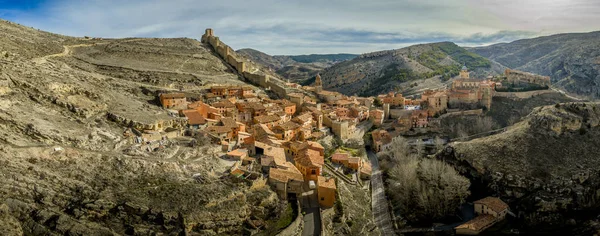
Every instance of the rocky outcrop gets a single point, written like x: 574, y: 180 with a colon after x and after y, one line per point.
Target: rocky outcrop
x: 545, y: 167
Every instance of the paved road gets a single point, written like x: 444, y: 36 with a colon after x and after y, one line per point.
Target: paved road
x: 312, y: 218
x: 379, y: 201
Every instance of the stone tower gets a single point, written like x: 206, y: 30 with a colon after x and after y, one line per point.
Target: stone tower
x: 464, y: 73
x: 318, y: 84
x: 208, y: 33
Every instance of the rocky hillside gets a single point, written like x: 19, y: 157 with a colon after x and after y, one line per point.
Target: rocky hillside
x: 67, y: 168
x: 299, y: 69
x: 377, y: 72
x: 545, y: 167
x: 571, y: 60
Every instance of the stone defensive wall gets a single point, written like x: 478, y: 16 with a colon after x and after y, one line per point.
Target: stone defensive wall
x: 521, y: 76
x: 253, y: 75
x: 456, y: 112
x: 522, y: 95
x: 338, y: 128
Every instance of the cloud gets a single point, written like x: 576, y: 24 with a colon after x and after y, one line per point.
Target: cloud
x: 311, y: 26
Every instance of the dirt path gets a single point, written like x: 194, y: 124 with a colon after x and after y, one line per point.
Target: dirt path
x: 66, y: 52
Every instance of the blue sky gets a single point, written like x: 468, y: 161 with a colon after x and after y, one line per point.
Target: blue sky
x: 312, y: 26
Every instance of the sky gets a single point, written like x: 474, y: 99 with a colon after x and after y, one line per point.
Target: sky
x: 292, y: 27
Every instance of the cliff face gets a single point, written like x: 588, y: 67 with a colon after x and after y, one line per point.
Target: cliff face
x: 545, y: 167
x: 571, y: 60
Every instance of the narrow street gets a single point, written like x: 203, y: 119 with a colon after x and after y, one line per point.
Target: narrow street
x: 379, y: 202
x: 312, y: 216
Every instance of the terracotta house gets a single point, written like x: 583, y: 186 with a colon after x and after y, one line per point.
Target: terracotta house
x: 365, y: 170
x: 270, y: 120
x: 354, y: 163
x: 309, y: 162
x: 173, y: 101
x: 326, y: 191
x: 490, y: 210
x: 476, y: 225
x: 238, y: 154
x: 419, y: 119
x: 381, y: 139
x: 491, y: 206
x: 195, y: 119
x: 289, y: 107
x: 340, y: 158
x: 285, y: 182
x: 286, y: 131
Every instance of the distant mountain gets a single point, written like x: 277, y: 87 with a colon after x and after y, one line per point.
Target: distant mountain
x: 377, y: 72
x: 571, y: 60
x: 300, y: 68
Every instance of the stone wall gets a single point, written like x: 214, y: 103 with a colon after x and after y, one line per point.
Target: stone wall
x: 340, y: 129
x: 521, y: 76
x: 296, y: 227
x: 237, y: 62
x: 463, y: 113
x: 527, y: 94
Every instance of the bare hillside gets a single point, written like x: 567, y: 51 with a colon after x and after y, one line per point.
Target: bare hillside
x: 66, y: 167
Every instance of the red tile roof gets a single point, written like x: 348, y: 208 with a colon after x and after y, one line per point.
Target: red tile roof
x: 480, y: 223
x: 326, y: 182
x: 339, y: 157
x: 194, y: 117
x: 172, y: 95
x: 311, y: 158
x: 493, y: 203
x: 284, y: 175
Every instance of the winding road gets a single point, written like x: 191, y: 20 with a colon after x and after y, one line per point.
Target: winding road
x: 379, y: 201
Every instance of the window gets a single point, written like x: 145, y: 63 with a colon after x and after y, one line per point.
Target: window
x: 314, y: 172
x: 322, y: 199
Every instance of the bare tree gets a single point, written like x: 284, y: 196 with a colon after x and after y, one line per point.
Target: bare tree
x: 425, y: 189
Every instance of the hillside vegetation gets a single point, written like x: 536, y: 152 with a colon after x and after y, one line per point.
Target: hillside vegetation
x: 571, y: 60
x: 377, y: 72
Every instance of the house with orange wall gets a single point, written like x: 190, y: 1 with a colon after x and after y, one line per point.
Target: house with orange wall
x: 326, y: 191
x: 310, y: 163
x: 173, y: 100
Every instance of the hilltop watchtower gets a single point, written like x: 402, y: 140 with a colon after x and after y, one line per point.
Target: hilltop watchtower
x: 318, y: 84
x: 207, y: 33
